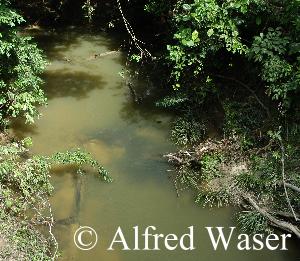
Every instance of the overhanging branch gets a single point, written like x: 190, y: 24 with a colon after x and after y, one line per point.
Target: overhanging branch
x: 273, y: 220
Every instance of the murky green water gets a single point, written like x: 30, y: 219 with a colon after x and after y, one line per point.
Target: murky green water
x: 89, y: 107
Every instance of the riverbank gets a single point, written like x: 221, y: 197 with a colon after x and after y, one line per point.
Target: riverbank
x: 228, y: 66
x: 20, y: 237
x: 222, y: 178
x: 90, y: 106
x: 21, y: 240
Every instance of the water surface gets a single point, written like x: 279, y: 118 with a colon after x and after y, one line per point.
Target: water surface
x: 89, y: 107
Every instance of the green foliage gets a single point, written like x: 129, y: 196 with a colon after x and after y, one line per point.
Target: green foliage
x: 244, y: 119
x: 209, y: 36
x: 24, y: 190
x: 265, y: 179
x: 81, y: 158
x: 172, y: 101
x: 21, y: 241
x: 135, y: 57
x: 210, y: 166
x: 269, y: 44
x: 244, y: 54
x: 21, y: 63
x: 212, y: 198
x: 157, y: 7
x: 186, y: 178
x: 278, y: 56
x: 186, y: 131
x: 252, y: 222
x: 202, y: 29
x: 25, y: 182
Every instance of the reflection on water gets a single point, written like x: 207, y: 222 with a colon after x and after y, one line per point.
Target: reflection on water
x: 89, y: 108
x: 71, y: 84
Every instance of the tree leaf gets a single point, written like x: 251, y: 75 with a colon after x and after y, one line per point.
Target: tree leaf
x: 210, y: 32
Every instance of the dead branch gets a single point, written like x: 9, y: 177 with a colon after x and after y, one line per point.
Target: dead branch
x: 173, y: 158
x: 293, y: 187
x: 290, y: 186
x: 273, y: 220
x: 48, y: 221
x: 265, y: 148
x: 284, y: 178
x: 99, y: 55
x: 51, y: 223
x: 285, y: 214
x: 130, y: 31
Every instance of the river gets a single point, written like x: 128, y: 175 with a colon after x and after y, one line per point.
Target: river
x: 89, y: 106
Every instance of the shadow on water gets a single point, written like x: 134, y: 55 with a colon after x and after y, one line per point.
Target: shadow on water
x: 56, y: 43
x: 78, y: 83
x: 134, y: 113
x: 62, y: 84
x: 128, y: 138
x: 22, y: 130
x: 70, y: 76
x: 71, y: 84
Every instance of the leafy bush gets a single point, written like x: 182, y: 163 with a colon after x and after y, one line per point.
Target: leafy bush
x: 21, y: 64
x: 25, y: 188
x: 186, y: 131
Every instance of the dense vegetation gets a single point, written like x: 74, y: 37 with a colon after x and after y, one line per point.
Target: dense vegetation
x: 238, y: 62
x: 229, y: 69
x: 24, y: 178
x: 233, y: 77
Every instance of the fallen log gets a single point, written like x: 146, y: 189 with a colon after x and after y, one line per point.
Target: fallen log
x: 273, y: 220
x: 99, y: 55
